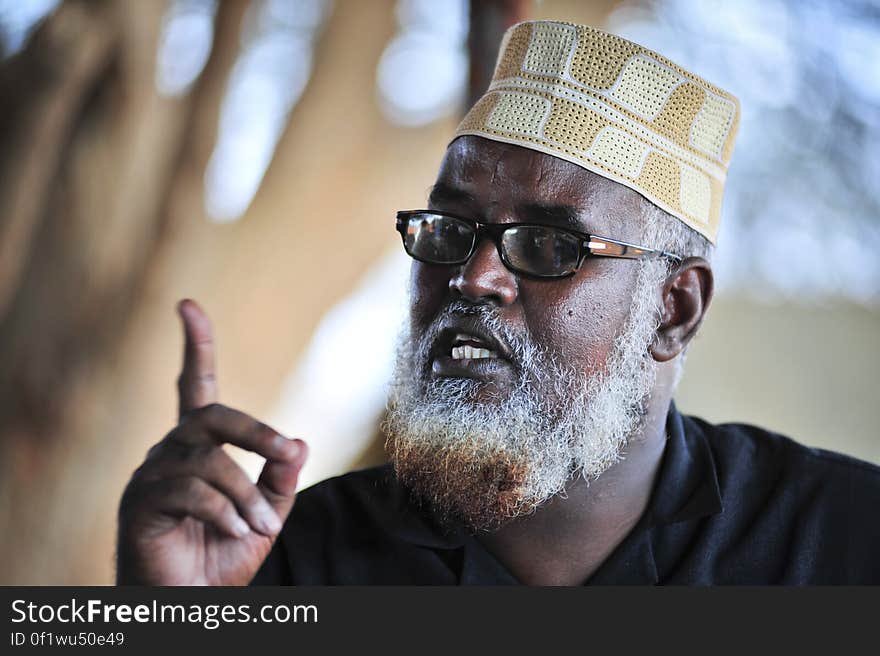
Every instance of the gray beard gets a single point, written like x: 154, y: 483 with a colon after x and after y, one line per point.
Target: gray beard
x: 483, y: 463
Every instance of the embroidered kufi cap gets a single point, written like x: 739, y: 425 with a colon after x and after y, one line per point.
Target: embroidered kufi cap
x: 615, y: 108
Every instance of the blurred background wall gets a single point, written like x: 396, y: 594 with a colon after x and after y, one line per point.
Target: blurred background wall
x: 251, y: 154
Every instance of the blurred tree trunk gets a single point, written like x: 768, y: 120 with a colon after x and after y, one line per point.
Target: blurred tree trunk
x: 89, y: 158
x: 489, y: 19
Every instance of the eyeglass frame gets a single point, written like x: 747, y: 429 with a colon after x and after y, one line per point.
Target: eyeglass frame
x: 591, y: 245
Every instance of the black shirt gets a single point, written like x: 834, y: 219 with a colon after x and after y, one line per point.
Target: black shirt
x: 733, y: 504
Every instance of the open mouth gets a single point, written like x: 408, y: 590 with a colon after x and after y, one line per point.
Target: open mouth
x: 470, y: 347
x: 466, y: 349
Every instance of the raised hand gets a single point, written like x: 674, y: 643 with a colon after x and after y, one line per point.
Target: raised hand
x: 190, y: 515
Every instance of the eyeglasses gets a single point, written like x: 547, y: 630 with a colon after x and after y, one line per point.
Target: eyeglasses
x: 530, y: 249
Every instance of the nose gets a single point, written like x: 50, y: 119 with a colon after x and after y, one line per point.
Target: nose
x: 484, y: 278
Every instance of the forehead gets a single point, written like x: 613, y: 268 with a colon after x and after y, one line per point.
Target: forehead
x: 497, y: 180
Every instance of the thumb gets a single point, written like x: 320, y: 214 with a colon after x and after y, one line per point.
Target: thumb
x: 279, y: 478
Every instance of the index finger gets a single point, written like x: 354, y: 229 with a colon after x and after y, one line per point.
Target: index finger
x: 197, y: 385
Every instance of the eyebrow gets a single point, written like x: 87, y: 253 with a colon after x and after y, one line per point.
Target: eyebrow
x: 564, y: 216
x: 444, y: 194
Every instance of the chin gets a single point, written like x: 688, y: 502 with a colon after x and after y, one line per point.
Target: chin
x: 477, y: 493
x: 471, y: 391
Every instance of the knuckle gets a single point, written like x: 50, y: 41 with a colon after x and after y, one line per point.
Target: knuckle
x: 143, y: 490
x: 188, y: 417
x: 156, y: 451
x: 154, y: 465
x: 179, y: 443
x: 189, y: 486
x: 213, y: 412
x: 160, y: 449
x: 147, y: 473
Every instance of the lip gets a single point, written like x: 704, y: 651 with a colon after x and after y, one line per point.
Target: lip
x: 484, y: 369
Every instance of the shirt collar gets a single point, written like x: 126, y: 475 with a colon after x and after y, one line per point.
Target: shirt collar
x: 686, y: 489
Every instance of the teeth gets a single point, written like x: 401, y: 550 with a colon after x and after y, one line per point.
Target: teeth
x: 471, y: 353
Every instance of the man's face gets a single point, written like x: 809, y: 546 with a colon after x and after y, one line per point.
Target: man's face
x: 576, y: 318
x: 488, y: 438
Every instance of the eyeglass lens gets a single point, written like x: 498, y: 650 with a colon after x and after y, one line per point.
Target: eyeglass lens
x: 438, y: 239
x: 540, y: 250
x: 536, y: 250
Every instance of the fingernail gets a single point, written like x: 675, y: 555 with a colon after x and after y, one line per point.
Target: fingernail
x: 289, y: 444
x: 269, y: 521
x: 240, y: 527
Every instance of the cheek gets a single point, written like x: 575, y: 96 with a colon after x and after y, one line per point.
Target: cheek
x: 428, y: 292
x: 579, y: 321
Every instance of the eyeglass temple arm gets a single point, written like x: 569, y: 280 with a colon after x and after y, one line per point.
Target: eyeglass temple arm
x: 604, y: 247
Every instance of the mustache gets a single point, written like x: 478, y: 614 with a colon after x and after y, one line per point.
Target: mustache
x: 522, y: 348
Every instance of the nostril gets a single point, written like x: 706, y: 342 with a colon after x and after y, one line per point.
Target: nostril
x: 485, y: 277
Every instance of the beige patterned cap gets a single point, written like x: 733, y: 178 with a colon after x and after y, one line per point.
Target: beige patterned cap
x: 614, y: 108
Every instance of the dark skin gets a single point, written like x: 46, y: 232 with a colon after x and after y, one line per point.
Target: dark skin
x: 565, y: 540
x: 190, y: 515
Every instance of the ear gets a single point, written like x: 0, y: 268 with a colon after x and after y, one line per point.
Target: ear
x: 686, y: 292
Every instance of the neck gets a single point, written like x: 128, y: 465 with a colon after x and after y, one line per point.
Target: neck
x: 566, y: 540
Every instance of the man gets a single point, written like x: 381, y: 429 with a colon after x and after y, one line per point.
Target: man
x: 559, y: 274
